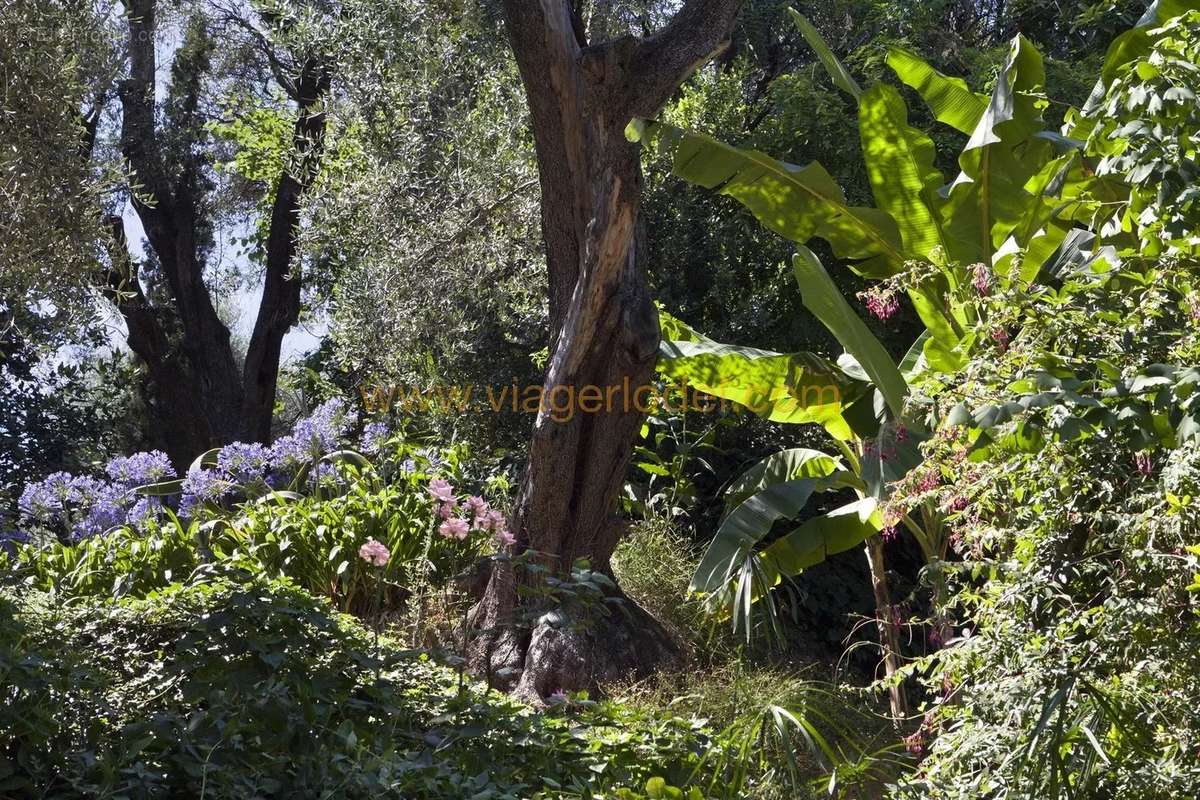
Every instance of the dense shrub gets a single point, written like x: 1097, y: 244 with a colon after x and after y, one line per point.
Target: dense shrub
x: 231, y: 690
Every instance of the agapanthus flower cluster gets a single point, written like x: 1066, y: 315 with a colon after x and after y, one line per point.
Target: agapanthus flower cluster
x: 140, y: 469
x: 243, y: 463
x: 374, y: 435
x: 201, y: 486
x: 477, y: 515
x: 76, y: 506
x: 322, y: 429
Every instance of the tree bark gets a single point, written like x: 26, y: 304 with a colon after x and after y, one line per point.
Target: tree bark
x: 604, y: 333
x: 202, y: 397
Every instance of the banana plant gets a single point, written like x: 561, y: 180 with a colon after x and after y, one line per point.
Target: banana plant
x: 1015, y: 178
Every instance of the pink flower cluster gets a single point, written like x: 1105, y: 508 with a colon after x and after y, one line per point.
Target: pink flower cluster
x: 982, y: 280
x: 1144, y: 463
x: 477, y: 515
x: 374, y: 552
x: 881, y: 303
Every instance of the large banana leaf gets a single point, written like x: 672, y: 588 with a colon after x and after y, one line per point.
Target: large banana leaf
x: 794, y: 388
x: 822, y: 297
x: 950, y: 100
x: 899, y: 161
x: 750, y: 522
x: 837, y: 71
x: 820, y: 537
x: 988, y: 198
x: 786, y: 465
x: 796, y: 202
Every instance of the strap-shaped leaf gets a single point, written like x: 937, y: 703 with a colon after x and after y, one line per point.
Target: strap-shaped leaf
x: 748, y: 523
x: 796, y: 202
x: 950, y: 100
x: 822, y: 536
x: 837, y: 71
x: 786, y: 465
x: 822, y: 297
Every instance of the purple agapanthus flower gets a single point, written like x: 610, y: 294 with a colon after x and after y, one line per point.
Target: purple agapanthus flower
x: 243, y: 463
x: 82, y: 505
x: 201, y: 486
x: 324, y: 426
x: 145, y: 510
x: 47, y: 500
x: 322, y: 473
x: 373, y: 437
x: 101, y: 508
x: 140, y: 469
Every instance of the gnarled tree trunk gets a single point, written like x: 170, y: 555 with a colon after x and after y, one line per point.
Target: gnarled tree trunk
x: 202, y: 397
x: 604, y: 332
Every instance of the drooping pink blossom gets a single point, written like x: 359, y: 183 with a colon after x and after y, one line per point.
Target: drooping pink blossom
x: 982, y: 280
x: 441, y: 490
x: 374, y: 552
x: 447, y: 508
x: 455, y: 528
x: 492, y: 520
x: 1000, y: 337
x: 882, y: 304
x: 504, y: 538
x: 1144, y: 463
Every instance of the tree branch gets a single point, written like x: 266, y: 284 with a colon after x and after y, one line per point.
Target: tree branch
x: 662, y: 61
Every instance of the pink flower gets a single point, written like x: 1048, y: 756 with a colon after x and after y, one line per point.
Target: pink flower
x: 888, y: 533
x: 558, y: 698
x: 957, y: 504
x: 374, y: 552
x: 882, y: 304
x: 492, y: 520
x: 929, y: 481
x: 982, y: 280
x: 447, y: 508
x: 455, y: 528
x: 441, y: 490
x: 1145, y: 464
x: 915, y: 743
x: 477, y: 507
x: 504, y: 538
x: 1000, y: 337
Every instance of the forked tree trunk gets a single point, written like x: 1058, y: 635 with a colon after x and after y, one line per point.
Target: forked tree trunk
x: 604, y: 334
x: 202, y: 398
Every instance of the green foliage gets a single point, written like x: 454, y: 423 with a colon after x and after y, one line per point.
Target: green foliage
x: 1074, y: 674
x: 234, y: 690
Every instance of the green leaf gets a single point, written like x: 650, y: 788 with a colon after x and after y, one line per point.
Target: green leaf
x: 786, y: 465
x: 784, y: 387
x: 837, y: 71
x: 899, y: 161
x: 748, y: 523
x: 822, y: 297
x: 950, y: 100
x: 822, y: 536
x: 988, y: 199
x: 798, y: 203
